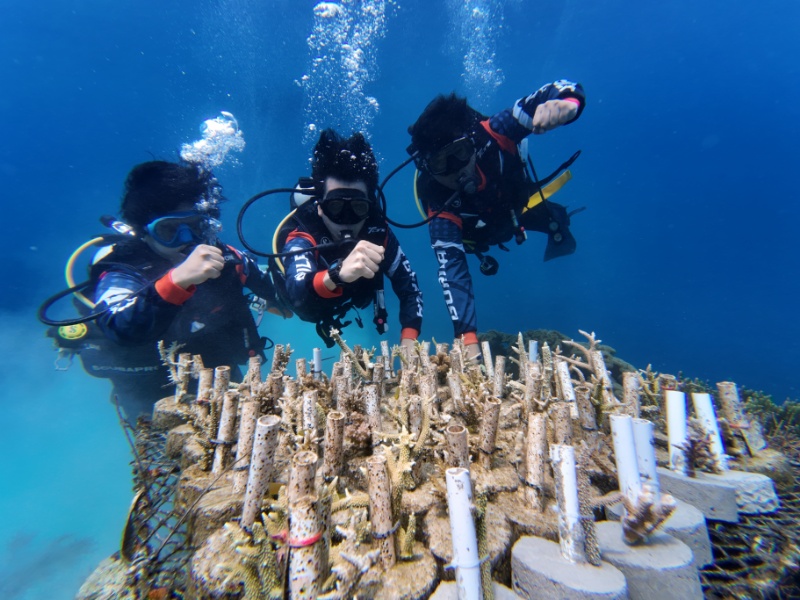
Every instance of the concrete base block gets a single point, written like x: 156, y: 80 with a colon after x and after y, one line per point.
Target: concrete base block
x: 687, y: 524
x: 662, y: 569
x: 539, y: 571
x: 712, y: 496
x: 448, y: 590
x: 755, y: 493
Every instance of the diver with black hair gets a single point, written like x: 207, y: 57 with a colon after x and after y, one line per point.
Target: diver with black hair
x: 168, y: 277
x: 475, y: 189
x: 350, y: 245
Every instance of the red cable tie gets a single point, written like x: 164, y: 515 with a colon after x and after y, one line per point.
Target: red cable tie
x: 310, y: 541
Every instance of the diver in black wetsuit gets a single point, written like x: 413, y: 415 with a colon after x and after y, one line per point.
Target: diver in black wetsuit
x: 474, y: 185
x: 323, y: 286
x: 172, y: 280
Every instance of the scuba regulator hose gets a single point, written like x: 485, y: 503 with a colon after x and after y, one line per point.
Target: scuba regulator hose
x: 252, y: 250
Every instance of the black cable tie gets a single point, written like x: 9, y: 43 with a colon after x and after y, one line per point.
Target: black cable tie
x: 383, y: 536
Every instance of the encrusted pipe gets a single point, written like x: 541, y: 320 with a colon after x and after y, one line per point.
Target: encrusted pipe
x: 184, y: 376
x: 565, y: 388
x: 205, y: 392
x: 462, y: 529
x: 415, y: 415
x: 533, y: 385
x: 244, y: 445
x: 601, y: 373
x: 222, y: 380
x: 340, y: 392
x: 499, y: 382
x: 261, y: 467
x: 301, y: 478
x: 317, y: 363
x: 586, y: 411
x: 387, y: 361
x: 632, y: 392
x: 457, y: 446
x: 562, y: 422
x: 334, y: 444
x: 372, y: 401
x: 732, y: 411
x: 428, y: 389
x: 300, y: 367
x: 676, y: 429
x: 226, y: 434
x: 535, y: 460
x: 310, y: 412
x: 646, y: 456
x: 454, y: 383
x: 487, y: 358
x: 276, y: 358
x: 625, y: 454
x: 706, y: 415
x: 488, y: 433
x: 570, y: 531
x: 305, y: 557
x: 456, y: 362
x: 380, y: 509
x: 253, y: 377
x: 378, y: 375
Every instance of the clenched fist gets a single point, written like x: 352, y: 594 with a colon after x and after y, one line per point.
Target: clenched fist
x: 204, y: 263
x: 363, y: 261
x: 553, y: 113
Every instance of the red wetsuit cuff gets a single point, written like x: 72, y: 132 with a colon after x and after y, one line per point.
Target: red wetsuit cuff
x: 573, y: 100
x: 171, y: 292
x: 322, y: 291
x: 409, y: 333
x: 470, y: 337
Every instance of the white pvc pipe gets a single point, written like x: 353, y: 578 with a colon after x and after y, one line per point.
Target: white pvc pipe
x: 533, y: 350
x: 646, y: 454
x: 676, y: 429
x: 465, y: 541
x: 317, y: 363
x: 625, y: 455
x: 570, y: 529
x: 708, y: 417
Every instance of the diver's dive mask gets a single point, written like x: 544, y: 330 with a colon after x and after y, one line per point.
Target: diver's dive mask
x: 453, y: 157
x: 345, y: 206
x: 180, y: 229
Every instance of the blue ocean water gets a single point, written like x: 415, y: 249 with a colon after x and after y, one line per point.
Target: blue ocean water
x: 687, y: 258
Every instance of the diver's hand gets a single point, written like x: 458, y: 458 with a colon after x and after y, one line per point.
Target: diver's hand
x: 553, y: 113
x: 363, y: 261
x: 204, y: 263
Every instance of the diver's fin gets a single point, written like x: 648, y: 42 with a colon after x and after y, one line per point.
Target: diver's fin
x: 548, y: 190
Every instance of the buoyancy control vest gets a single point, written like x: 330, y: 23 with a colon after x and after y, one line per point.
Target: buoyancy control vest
x: 215, y: 322
x: 359, y: 294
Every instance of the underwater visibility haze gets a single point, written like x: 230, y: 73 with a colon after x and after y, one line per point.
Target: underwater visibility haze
x: 688, y: 254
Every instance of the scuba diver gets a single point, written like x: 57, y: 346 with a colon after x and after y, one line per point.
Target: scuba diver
x: 350, y: 246
x: 474, y: 187
x: 166, y: 277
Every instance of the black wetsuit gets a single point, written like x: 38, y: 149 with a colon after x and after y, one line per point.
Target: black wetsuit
x: 475, y: 221
x: 312, y: 301
x: 212, y: 319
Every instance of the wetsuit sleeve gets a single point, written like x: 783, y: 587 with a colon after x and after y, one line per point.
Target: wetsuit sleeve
x: 405, y: 286
x: 454, y: 277
x: 517, y: 122
x: 139, y: 311
x: 304, y: 285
